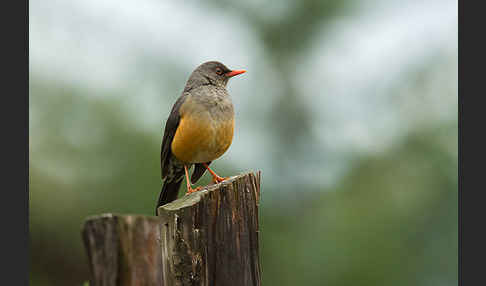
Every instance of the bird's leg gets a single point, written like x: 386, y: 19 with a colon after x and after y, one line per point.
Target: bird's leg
x: 189, y: 187
x: 216, y: 178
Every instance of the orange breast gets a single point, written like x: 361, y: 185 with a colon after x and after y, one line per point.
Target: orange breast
x: 200, y: 139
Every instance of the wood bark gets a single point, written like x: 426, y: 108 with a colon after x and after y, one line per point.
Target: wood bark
x: 206, y: 238
x: 123, y: 250
x: 211, y: 237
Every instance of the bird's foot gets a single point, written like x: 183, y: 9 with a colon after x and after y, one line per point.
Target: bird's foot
x: 190, y: 190
x: 217, y: 179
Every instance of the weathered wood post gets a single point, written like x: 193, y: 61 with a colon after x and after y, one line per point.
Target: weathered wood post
x: 207, y: 238
x: 123, y: 249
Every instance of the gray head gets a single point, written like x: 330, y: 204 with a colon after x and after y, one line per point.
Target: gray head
x: 211, y: 73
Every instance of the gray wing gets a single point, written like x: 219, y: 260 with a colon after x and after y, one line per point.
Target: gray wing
x: 169, y: 132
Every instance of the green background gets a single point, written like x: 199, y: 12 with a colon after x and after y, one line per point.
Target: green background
x: 349, y: 109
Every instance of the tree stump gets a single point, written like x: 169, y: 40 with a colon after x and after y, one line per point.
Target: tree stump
x: 209, y: 237
x: 123, y: 250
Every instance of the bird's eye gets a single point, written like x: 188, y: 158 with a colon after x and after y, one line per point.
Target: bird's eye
x: 219, y: 71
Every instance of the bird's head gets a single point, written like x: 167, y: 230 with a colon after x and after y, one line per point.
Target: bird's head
x: 213, y: 73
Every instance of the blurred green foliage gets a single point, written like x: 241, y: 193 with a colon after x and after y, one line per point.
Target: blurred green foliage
x: 389, y: 219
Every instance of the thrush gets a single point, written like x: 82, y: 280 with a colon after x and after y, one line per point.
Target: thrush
x: 198, y: 131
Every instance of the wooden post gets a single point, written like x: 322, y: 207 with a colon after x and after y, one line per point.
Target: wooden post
x: 211, y: 237
x: 123, y: 250
x: 207, y: 238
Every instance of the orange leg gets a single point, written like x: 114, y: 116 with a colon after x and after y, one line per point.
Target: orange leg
x: 216, y: 178
x: 189, y: 187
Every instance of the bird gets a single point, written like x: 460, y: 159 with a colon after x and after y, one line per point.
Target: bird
x: 198, y: 131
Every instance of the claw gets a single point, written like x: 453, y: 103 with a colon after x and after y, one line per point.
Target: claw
x: 189, y: 187
x: 191, y: 190
x: 217, y: 179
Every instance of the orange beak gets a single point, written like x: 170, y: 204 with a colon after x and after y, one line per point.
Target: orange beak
x: 235, y: 72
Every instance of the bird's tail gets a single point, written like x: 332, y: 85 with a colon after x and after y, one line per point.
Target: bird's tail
x: 169, y: 192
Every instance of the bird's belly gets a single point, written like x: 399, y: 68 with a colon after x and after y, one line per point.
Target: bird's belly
x: 202, y: 139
